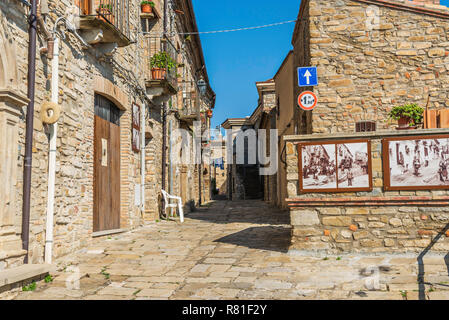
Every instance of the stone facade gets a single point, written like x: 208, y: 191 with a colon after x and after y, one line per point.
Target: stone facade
x: 376, y: 221
x: 119, y: 76
x: 372, y: 57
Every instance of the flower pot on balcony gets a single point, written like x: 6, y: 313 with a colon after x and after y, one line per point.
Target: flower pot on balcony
x: 158, y: 73
x: 146, y: 8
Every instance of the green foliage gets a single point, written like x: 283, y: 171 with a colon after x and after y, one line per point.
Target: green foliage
x: 106, y: 275
x: 30, y: 287
x: 163, y: 60
x: 151, y: 3
x: 404, y: 294
x: 338, y: 258
x: 48, y: 279
x: 411, y: 111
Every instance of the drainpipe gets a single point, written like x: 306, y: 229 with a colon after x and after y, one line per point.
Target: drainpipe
x: 170, y: 158
x: 170, y: 162
x: 164, y: 121
x: 28, y: 159
x: 52, y: 156
x: 142, y: 160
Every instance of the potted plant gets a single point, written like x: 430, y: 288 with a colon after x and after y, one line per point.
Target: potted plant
x: 409, y: 116
x: 209, y: 113
x: 161, y: 63
x: 147, y: 6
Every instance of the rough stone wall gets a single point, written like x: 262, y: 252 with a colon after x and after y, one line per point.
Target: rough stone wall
x: 367, y: 66
x: 364, y: 228
x: 74, y: 171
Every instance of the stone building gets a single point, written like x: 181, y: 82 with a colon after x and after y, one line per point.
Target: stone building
x: 104, y: 73
x: 371, y: 56
x: 244, y: 181
x: 268, y: 118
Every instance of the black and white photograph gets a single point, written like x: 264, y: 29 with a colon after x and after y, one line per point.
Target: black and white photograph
x: 418, y: 163
x: 319, y: 167
x: 353, y: 165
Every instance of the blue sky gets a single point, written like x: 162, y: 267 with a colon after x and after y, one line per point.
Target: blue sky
x: 444, y: 2
x: 236, y: 60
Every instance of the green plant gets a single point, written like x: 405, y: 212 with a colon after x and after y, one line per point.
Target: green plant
x: 404, y: 294
x: 30, y: 287
x: 151, y: 3
x: 163, y: 60
x: 103, y: 272
x: 326, y: 258
x: 338, y: 258
x: 48, y: 278
x: 411, y: 111
x: 105, y: 6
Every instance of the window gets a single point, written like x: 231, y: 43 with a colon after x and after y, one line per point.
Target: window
x: 107, y: 110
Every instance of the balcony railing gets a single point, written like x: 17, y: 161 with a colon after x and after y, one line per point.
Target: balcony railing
x: 114, y: 12
x: 157, y: 45
x: 189, y: 106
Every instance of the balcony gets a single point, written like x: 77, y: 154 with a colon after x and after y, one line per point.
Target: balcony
x: 104, y: 21
x: 163, y: 81
x: 189, y: 112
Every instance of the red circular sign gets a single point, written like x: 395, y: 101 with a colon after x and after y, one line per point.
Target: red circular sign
x: 307, y: 100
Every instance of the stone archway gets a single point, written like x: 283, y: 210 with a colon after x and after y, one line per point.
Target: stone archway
x: 11, y: 104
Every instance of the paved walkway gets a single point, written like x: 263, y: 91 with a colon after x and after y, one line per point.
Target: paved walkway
x: 233, y: 250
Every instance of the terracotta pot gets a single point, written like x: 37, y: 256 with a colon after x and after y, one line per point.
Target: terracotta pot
x: 158, y: 73
x: 146, y: 8
x: 404, y: 124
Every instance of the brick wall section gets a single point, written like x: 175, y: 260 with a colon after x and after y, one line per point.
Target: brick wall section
x: 365, y: 69
x: 365, y: 226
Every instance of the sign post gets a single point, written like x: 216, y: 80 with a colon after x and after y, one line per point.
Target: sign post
x: 307, y: 77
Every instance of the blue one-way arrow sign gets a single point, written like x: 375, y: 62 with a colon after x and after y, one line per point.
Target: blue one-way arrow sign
x: 307, y: 77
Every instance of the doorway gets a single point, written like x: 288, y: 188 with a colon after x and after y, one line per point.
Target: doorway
x: 106, y: 165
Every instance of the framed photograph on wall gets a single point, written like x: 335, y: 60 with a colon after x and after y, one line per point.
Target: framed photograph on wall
x: 335, y: 166
x: 416, y: 163
x: 135, y: 128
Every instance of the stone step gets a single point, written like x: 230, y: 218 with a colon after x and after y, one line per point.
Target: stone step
x: 17, y: 275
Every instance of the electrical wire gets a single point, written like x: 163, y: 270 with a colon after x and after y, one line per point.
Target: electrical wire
x: 234, y: 30
x: 241, y: 29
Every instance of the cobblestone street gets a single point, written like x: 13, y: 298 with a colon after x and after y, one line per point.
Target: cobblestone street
x: 233, y: 250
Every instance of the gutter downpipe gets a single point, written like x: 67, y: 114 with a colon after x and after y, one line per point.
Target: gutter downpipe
x: 170, y: 164
x: 28, y: 159
x: 52, y: 156
x: 164, y: 122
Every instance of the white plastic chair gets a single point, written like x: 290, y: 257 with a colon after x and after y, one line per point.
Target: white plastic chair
x: 178, y: 205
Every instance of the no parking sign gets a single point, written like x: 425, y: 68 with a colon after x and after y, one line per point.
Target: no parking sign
x: 307, y: 100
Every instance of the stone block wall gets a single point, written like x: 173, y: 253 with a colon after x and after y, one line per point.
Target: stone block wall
x: 372, y: 57
x: 376, y: 221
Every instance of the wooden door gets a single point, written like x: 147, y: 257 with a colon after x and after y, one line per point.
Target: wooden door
x: 106, y: 176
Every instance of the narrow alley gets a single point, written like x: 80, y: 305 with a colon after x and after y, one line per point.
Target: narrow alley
x: 232, y: 250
